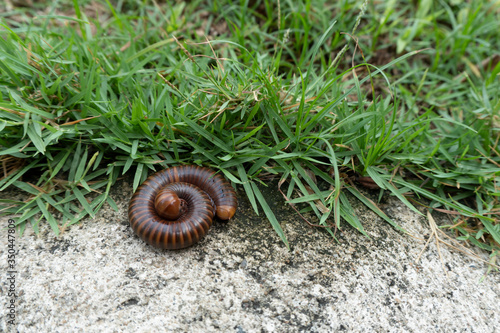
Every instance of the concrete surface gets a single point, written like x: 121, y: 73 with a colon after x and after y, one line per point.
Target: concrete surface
x: 100, y: 277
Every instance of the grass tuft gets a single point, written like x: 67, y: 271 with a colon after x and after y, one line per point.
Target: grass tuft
x: 407, y: 103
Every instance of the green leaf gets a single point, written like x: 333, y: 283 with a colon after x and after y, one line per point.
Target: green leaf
x: 48, y: 216
x: 269, y: 214
x: 383, y: 183
x: 81, y: 198
x: 247, y: 187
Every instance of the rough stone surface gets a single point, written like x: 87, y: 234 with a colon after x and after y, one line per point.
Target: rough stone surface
x: 100, y: 277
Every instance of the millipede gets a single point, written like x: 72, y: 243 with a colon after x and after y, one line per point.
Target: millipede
x: 175, y: 207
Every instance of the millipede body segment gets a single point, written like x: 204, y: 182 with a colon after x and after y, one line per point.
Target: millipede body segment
x: 174, y: 208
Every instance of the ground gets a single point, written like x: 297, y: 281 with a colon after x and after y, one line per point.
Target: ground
x: 100, y: 277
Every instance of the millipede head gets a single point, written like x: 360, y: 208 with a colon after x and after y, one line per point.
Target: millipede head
x: 168, y: 205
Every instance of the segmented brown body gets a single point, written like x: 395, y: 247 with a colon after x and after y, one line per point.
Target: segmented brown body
x: 205, y: 194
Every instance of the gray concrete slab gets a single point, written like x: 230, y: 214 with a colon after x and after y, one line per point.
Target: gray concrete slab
x: 100, y: 277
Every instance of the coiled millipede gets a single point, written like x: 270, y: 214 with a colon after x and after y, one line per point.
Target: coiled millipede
x: 174, y: 208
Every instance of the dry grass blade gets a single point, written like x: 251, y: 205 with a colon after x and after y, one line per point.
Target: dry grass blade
x: 10, y: 164
x: 459, y: 247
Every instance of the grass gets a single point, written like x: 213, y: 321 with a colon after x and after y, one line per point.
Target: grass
x: 396, y: 97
